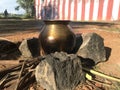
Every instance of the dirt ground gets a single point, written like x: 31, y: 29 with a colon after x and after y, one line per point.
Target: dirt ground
x: 111, y: 41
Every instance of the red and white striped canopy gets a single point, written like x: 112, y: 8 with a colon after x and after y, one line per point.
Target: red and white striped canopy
x: 81, y: 10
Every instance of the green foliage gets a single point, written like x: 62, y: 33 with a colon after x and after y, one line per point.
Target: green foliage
x: 26, y: 16
x: 15, y: 16
x: 17, y: 8
x: 27, y: 5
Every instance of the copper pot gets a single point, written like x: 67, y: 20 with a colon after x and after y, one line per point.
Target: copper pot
x: 56, y: 35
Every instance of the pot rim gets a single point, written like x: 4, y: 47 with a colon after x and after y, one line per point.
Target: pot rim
x: 56, y: 21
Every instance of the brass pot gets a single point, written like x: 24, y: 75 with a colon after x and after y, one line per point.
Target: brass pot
x: 56, y: 35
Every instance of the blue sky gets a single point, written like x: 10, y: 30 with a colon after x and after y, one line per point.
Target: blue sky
x: 10, y: 6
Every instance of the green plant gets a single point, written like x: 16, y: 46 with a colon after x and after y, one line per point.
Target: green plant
x: 27, y: 5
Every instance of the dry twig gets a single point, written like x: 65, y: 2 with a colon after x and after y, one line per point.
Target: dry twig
x: 26, y: 75
x: 3, y: 79
x: 22, y: 69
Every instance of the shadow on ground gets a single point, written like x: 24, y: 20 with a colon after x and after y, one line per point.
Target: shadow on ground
x: 108, y: 52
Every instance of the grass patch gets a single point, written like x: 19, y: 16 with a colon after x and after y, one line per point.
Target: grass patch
x: 15, y: 16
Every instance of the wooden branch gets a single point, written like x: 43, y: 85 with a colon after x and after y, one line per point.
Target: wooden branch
x: 18, y: 67
x: 25, y: 76
x: 3, y: 79
x: 10, y: 69
x: 20, y: 75
x: 24, y: 81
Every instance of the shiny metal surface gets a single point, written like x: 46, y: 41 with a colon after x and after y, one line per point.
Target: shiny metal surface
x: 57, y: 36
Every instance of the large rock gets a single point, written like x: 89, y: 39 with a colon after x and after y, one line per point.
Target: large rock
x: 8, y: 50
x: 29, y: 48
x: 92, y: 48
x: 59, y: 71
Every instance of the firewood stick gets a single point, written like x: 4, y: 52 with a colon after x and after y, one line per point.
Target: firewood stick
x: 4, y: 78
x: 20, y: 75
x: 31, y: 64
x: 25, y: 80
x: 18, y: 67
x: 10, y: 69
x: 30, y: 81
x: 23, y: 66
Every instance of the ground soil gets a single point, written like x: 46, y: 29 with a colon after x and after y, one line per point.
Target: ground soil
x: 111, y: 42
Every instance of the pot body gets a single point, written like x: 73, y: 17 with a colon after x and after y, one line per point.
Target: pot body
x: 57, y: 36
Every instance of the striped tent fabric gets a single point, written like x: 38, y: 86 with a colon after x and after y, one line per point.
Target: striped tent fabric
x: 78, y: 10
